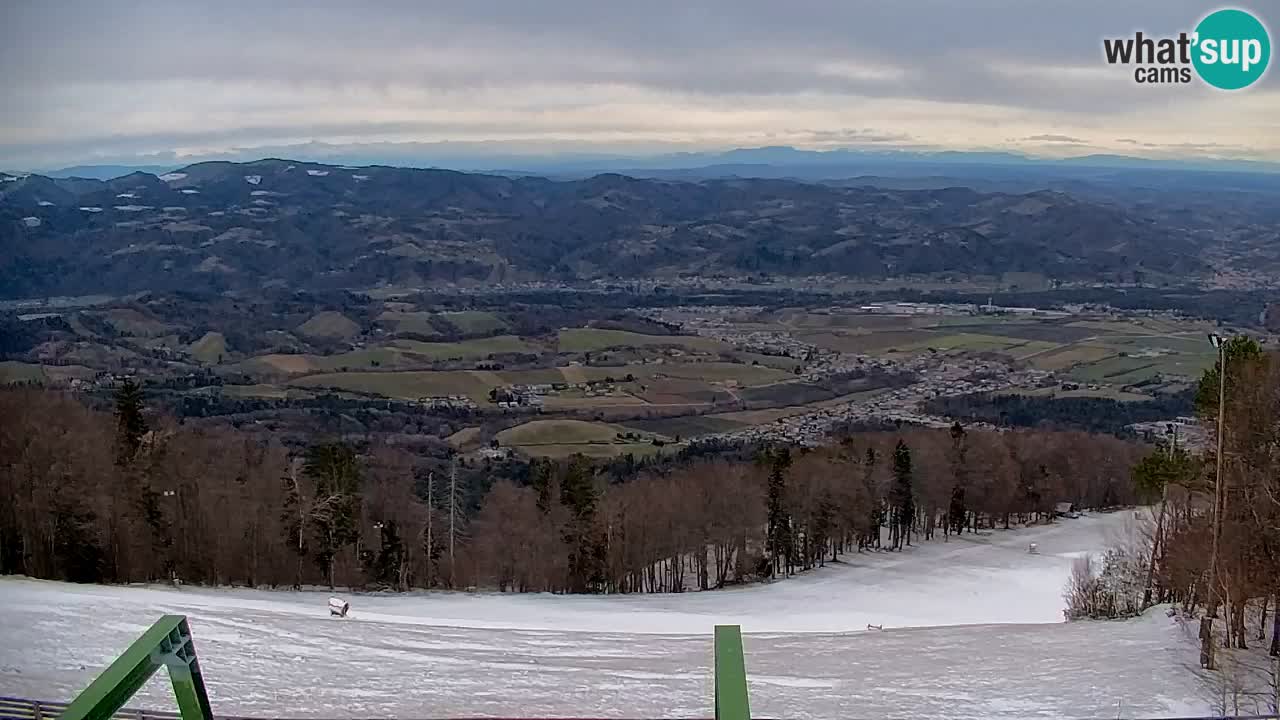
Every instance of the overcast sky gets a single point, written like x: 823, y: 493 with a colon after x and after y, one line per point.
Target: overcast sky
x: 128, y: 81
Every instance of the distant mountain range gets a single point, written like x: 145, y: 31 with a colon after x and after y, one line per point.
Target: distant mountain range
x: 221, y: 226
x: 106, y: 172
x: 779, y: 161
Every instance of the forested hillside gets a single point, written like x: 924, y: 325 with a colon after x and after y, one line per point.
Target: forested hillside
x: 129, y: 497
x: 236, y: 226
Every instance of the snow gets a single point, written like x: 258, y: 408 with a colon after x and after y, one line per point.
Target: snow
x: 359, y: 177
x: 258, y: 193
x: 190, y: 191
x: 127, y: 196
x: 45, y: 203
x: 173, y: 176
x: 972, y: 629
x: 132, y: 208
x: 317, y: 173
x: 92, y: 209
x: 31, y: 221
x: 253, y: 179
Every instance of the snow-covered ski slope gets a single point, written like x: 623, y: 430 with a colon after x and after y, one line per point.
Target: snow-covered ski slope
x: 972, y: 630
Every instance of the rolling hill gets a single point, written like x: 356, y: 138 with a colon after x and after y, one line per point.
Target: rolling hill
x: 232, y: 226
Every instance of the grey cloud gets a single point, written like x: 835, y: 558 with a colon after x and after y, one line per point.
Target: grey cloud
x: 725, y: 54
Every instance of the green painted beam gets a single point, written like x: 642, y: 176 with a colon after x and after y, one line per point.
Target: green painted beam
x: 731, y: 675
x: 166, y: 644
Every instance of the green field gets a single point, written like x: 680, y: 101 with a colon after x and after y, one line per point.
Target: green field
x: 399, y: 355
x: 560, y: 432
x: 688, y: 426
x: 596, y: 450
x: 132, y: 322
x: 274, y: 392
x: 466, y: 349
x: 475, y: 322
x: 715, y: 372
x: 867, y: 342
x: 1114, y: 369
x: 1070, y: 356
x: 366, y: 359
x: 330, y: 324
x: 1105, y: 392
x: 418, y: 323
x: 780, y: 362
x: 408, y: 385
x: 561, y: 438
x: 974, y: 342
x: 209, y: 349
x: 594, y: 339
x: 19, y: 372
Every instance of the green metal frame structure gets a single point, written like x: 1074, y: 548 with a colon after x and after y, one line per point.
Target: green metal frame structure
x: 167, y: 644
x: 731, y: 675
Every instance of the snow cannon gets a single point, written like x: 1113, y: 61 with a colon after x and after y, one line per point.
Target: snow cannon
x: 1034, y: 549
x: 338, y: 607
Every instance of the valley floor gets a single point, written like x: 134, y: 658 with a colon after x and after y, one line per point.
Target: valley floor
x: 972, y: 629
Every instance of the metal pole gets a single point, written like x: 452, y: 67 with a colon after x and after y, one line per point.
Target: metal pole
x: 1219, y: 508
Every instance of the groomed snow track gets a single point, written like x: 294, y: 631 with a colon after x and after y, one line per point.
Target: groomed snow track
x: 972, y: 631
x: 23, y: 709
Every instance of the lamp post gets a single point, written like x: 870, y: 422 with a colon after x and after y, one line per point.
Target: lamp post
x: 1219, y: 508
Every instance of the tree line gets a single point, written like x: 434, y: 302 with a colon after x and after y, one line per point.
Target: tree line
x: 130, y: 496
x: 1235, y: 577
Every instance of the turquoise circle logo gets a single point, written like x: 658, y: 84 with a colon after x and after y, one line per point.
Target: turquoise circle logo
x: 1232, y: 49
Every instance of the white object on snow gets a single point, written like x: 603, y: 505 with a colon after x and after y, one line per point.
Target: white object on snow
x: 1034, y: 549
x: 338, y: 607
